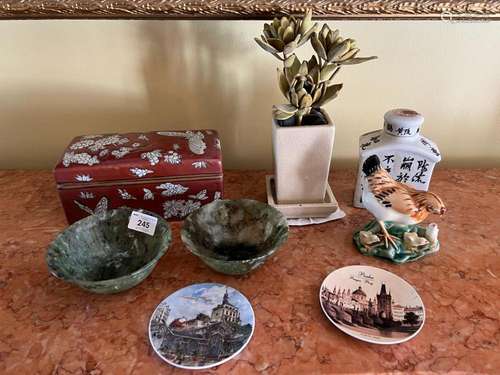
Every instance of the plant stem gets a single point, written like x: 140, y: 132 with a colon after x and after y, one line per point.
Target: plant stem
x: 299, y: 120
x: 335, y: 72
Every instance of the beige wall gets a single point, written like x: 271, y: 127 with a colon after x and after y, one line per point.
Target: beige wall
x: 59, y: 79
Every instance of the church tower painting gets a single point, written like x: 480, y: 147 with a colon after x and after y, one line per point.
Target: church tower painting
x: 226, y: 312
x: 384, y: 303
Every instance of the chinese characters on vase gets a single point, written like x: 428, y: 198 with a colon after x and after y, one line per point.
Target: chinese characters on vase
x: 405, y: 154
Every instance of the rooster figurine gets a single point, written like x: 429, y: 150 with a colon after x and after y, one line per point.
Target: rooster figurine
x: 389, y: 200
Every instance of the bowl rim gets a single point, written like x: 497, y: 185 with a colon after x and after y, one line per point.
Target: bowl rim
x: 187, y: 242
x: 152, y: 262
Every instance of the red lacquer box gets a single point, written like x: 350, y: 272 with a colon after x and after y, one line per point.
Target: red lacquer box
x: 171, y: 173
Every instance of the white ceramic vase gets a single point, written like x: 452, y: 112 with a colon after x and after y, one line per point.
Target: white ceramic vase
x: 302, y: 156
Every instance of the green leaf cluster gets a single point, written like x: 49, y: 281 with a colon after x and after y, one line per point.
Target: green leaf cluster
x: 307, y: 84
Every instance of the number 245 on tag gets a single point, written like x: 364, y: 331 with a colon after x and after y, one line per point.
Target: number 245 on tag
x: 142, y: 223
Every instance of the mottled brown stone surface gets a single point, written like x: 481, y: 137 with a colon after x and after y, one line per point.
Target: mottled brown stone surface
x: 49, y: 327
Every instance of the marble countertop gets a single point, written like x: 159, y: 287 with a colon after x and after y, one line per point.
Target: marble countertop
x: 49, y: 327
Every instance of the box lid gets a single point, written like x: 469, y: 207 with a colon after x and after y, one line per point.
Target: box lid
x: 129, y: 156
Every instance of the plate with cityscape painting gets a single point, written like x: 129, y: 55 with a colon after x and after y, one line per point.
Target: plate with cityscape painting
x: 201, y: 326
x: 372, y: 305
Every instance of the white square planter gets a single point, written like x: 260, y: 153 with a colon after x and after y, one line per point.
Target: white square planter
x: 302, y: 156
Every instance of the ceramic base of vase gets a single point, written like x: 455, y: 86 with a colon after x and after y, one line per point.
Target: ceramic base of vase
x: 301, y: 210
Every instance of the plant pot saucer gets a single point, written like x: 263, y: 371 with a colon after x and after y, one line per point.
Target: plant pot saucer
x: 301, y: 210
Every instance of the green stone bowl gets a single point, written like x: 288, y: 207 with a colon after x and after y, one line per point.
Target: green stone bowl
x: 234, y: 236
x: 100, y: 254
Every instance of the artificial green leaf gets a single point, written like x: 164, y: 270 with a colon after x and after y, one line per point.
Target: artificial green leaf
x: 306, y: 101
x: 303, y: 68
x: 276, y: 44
x: 288, y: 34
x: 269, y: 31
x: 330, y: 93
x: 306, y: 22
x: 294, y: 98
x: 316, y: 95
x: 314, y: 73
x: 290, y: 47
x: 265, y: 46
x: 317, y: 46
x: 276, y: 23
x: 283, y: 83
x: 357, y: 60
x: 280, y: 115
x: 337, y: 51
x: 285, y: 108
x: 289, y: 61
x: 291, y: 72
x: 284, y: 22
x: 326, y: 72
x: 324, y: 31
x: 349, y: 54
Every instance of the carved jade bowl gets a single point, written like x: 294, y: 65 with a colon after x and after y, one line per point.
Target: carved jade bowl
x: 100, y: 254
x: 234, y: 236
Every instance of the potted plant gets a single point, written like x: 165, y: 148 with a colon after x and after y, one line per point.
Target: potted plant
x: 303, y: 133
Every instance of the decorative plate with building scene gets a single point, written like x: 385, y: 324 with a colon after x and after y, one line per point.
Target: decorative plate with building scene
x: 201, y: 326
x: 372, y: 304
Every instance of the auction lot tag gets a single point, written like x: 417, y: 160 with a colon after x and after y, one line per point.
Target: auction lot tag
x: 142, y: 223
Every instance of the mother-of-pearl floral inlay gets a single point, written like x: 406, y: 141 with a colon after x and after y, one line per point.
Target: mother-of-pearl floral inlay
x: 202, y: 195
x: 172, y: 157
x: 82, y: 158
x: 148, y: 194
x: 195, y: 140
x: 140, y: 172
x: 86, y: 195
x: 199, y: 164
x: 170, y: 189
x: 153, y: 156
x: 83, y: 178
x: 125, y: 194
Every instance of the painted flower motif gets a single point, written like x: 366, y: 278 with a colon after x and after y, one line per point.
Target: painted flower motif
x: 125, y: 194
x: 148, y: 194
x: 153, y: 156
x: 170, y: 189
x: 83, y: 178
x: 199, y: 164
x: 121, y: 152
x: 176, y: 147
x: 217, y: 143
x: 180, y: 208
x: 202, y: 195
x: 140, y: 172
x: 172, y: 157
x: 143, y: 137
x: 217, y: 195
x: 136, y: 145
x: 83, y: 158
x: 92, y: 136
x: 86, y: 195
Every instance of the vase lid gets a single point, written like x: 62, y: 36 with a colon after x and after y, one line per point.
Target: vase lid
x: 402, y: 122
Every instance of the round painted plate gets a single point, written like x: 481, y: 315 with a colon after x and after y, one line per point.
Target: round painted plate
x: 201, y: 326
x: 372, y: 305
